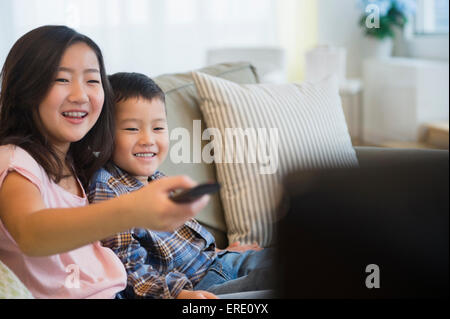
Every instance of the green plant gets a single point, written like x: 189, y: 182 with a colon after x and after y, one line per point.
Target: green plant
x: 391, y: 14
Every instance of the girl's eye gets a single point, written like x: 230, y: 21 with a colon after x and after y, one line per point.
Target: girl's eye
x: 159, y: 128
x: 94, y: 81
x: 131, y: 129
x: 61, y: 80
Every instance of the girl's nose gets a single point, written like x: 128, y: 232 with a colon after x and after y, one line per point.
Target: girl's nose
x: 78, y: 93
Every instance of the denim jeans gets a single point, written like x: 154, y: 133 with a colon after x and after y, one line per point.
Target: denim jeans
x: 233, y: 272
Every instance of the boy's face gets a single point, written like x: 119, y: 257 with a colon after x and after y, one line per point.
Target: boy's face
x: 142, y: 138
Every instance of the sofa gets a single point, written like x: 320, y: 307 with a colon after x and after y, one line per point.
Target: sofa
x: 182, y: 104
x: 183, y: 107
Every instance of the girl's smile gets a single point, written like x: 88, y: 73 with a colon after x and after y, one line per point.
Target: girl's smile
x: 75, y: 116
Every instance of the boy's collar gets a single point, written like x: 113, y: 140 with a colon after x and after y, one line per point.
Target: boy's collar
x: 126, y: 178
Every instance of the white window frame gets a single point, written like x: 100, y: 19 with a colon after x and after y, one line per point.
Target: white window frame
x: 424, y: 45
x: 424, y: 21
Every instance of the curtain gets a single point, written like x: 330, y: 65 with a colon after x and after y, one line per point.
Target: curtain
x: 164, y: 36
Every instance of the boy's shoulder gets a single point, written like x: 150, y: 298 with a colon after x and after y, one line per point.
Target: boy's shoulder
x: 110, y: 176
x: 102, y: 175
x: 104, y: 184
x: 118, y: 180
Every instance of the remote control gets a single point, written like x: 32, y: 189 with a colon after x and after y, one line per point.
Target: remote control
x: 192, y: 194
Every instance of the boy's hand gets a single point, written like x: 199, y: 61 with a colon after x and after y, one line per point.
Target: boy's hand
x: 236, y: 246
x: 198, y: 294
x: 154, y: 209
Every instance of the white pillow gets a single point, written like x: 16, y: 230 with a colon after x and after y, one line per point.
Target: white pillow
x: 305, y: 129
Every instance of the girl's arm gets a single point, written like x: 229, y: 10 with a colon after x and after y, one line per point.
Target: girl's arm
x: 40, y: 231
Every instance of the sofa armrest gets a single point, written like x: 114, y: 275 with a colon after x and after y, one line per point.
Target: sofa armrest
x: 368, y: 155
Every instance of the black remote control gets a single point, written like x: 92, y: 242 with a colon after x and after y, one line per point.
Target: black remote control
x: 190, y: 195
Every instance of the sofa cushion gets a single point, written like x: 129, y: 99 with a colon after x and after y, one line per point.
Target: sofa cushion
x: 304, y: 127
x: 182, y: 104
x: 10, y: 286
x: 370, y: 155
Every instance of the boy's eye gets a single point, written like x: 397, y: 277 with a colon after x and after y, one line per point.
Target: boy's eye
x: 62, y: 80
x: 130, y: 129
x: 93, y: 81
x: 158, y: 128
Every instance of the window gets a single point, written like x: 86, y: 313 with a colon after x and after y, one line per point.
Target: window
x: 432, y: 17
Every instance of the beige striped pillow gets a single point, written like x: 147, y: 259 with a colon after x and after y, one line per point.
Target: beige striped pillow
x: 286, y: 127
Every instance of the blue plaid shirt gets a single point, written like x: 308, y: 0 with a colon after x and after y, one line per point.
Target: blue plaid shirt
x: 158, y: 264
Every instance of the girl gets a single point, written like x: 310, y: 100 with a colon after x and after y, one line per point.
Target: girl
x: 55, y: 114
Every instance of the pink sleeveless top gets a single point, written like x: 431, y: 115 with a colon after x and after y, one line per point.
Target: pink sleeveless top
x: 91, y: 271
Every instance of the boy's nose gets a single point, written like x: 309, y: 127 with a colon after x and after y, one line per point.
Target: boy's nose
x: 146, y: 138
x: 78, y: 93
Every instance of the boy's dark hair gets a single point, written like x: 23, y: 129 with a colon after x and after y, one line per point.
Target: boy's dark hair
x: 26, y: 77
x: 128, y: 85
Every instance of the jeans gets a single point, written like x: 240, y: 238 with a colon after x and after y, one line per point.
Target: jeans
x: 233, y: 272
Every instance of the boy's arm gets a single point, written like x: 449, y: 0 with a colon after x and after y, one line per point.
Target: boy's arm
x: 142, y: 277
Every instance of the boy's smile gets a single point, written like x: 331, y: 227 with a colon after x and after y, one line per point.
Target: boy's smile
x: 142, y: 138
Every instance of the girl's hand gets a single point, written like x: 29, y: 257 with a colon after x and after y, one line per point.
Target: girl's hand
x: 154, y: 209
x: 198, y: 294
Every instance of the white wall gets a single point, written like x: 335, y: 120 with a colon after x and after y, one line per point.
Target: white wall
x: 5, y: 30
x: 428, y: 47
x: 338, y: 25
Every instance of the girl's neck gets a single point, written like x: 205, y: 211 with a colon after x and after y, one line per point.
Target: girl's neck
x: 61, y: 150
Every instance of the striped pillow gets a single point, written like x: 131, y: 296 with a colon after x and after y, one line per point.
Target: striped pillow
x: 283, y: 127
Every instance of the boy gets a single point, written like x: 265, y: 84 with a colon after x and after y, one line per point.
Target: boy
x: 182, y: 264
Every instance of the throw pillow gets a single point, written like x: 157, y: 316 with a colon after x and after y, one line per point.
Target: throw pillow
x: 261, y: 132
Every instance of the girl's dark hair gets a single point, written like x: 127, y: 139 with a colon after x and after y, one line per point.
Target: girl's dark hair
x: 127, y: 85
x: 27, y: 76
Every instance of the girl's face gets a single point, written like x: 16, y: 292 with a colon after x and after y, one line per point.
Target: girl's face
x: 75, y: 99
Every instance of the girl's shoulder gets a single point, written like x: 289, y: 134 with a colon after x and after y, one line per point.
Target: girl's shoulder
x: 15, y: 158
x: 15, y: 155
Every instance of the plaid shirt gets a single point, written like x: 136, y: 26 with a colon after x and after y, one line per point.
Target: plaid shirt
x: 158, y: 264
